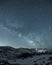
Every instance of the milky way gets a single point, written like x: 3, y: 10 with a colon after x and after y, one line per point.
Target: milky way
x: 26, y: 23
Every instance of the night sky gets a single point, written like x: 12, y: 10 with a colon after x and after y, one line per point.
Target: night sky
x: 26, y: 23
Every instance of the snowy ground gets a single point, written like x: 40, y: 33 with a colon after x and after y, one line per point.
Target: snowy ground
x: 39, y: 60
x: 11, y: 55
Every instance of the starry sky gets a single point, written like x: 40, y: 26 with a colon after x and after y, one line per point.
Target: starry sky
x: 26, y: 23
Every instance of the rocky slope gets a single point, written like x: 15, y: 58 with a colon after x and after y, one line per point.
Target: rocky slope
x: 25, y: 56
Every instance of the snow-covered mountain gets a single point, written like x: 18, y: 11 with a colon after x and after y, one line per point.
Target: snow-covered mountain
x: 25, y: 56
